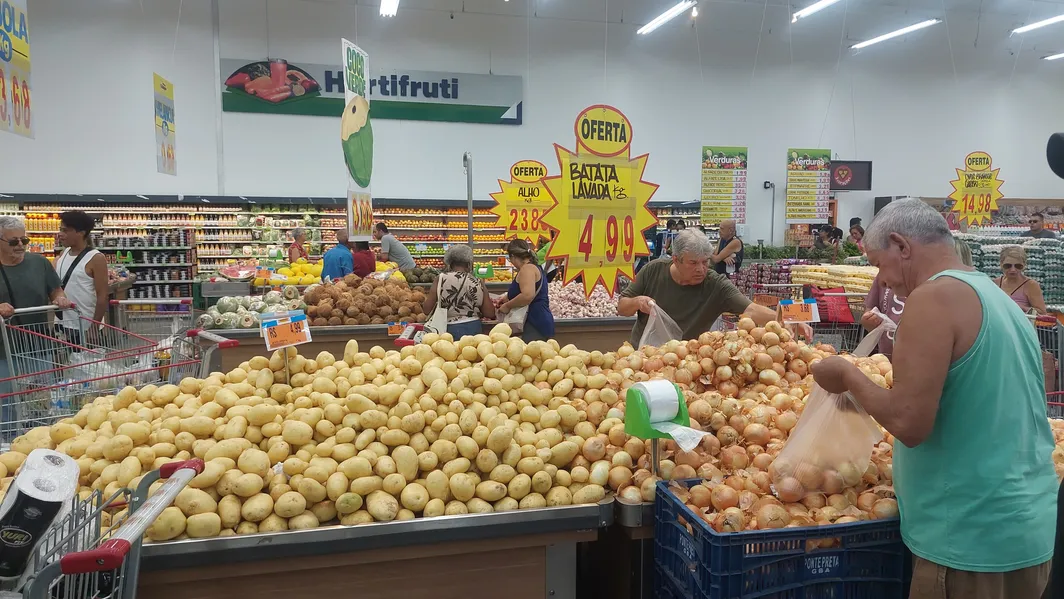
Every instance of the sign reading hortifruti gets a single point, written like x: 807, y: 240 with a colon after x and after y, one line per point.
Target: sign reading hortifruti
x: 16, y: 110
x: 319, y: 90
x: 356, y: 136
x: 165, y: 133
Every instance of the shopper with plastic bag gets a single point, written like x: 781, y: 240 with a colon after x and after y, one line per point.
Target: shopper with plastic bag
x: 972, y: 468
x: 686, y: 289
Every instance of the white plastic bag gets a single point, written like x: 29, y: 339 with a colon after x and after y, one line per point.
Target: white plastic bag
x: 660, y: 329
x: 868, y: 345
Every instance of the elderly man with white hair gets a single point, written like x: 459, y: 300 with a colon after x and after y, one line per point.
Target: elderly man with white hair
x: 972, y: 466
x: 689, y: 291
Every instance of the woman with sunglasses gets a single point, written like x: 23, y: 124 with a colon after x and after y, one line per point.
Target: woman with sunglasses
x: 1023, y: 290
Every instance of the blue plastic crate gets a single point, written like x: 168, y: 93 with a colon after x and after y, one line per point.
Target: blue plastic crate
x: 866, y: 562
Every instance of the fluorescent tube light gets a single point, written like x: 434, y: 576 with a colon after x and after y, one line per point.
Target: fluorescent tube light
x: 666, y: 16
x: 894, y: 34
x: 812, y: 8
x: 389, y: 8
x: 1039, y: 24
x: 1054, y: 56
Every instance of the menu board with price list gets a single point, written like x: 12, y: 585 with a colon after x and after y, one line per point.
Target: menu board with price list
x: 723, y: 184
x: 808, y: 185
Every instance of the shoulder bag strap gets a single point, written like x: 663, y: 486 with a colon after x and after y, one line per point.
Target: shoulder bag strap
x: 70, y: 271
x: 10, y: 293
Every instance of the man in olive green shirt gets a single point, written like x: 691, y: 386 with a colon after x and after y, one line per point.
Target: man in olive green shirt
x: 688, y: 291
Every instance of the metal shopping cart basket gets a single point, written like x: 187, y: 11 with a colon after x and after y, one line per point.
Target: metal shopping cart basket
x: 1055, y: 405
x: 62, y: 386
x: 1051, y: 338
x: 840, y: 320
x: 94, y: 551
x: 157, y: 319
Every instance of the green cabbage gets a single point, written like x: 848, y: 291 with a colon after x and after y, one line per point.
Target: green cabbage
x: 227, y: 304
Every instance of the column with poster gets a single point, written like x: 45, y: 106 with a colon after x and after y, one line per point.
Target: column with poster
x: 16, y: 112
x: 723, y: 184
x: 356, y: 136
x: 808, y: 186
x: 165, y: 134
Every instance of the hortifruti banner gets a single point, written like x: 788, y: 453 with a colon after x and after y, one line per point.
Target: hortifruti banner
x: 808, y: 185
x: 522, y: 201
x: 600, y: 201
x: 356, y: 136
x: 16, y: 105
x: 724, y: 184
x: 977, y: 189
x: 277, y: 86
x: 165, y: 134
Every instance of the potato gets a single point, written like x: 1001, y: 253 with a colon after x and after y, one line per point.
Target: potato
x: 486, y: 460
x: 272, y: 523
x: 393, y: 484
x: 129, y: 469
x: 202, y: 526
x: 382, y: 506
x: 290, y: 504
x: 406, y: 462
x: 247, y: 485
x: 541, y: 482
x: 356, y: 467
x: 530, y: 465
x: 297, y: 433
x: 435, y: 507
x: 477, y: 505
x: 462, y: 486
x: 303, y: 521
x: 532, y: 500
x: 312, y: 490
x: 455, y: 507
x: 589, y: 494
x: 559, y: 496
x: 336, y: 485
x: 324, y: 511
x: 195, y: 501
x: 438, y: 485
x: 367, y: 484
x: 356, y: 518
x: 257, y: 508
x: 506, y: 504
x: 229, y: 510
x: 250, y: 528
x: 349, y: 503
x: 519, y: 486
x: 414, y: 497
x: 118, y: 447
x: 254, y: 461
x: 169, y: 524
x: 563, y: 453
x: 212, y: 472
x: 228, y: 448
x: 491, y: 491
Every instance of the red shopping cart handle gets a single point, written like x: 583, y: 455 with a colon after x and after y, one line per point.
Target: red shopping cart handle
x: 223, y: 342
x: 167, y: 470
x: 108, y: 556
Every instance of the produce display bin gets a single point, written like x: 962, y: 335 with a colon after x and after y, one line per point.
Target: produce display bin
x: 866, y: 559
x: 530, y: 553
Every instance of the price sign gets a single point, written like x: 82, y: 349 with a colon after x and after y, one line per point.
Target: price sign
x: 600, y: 209
x: 803, y: 311
x: 522, y: 201
x: 16, y: 101
x: 285, y: 329
x: 396, y: 328
x: 264, y: 273
x: 808, y: 185
x: 977, y: 189
x: 165, y: 131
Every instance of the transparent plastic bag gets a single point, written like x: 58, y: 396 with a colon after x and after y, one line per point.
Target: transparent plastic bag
x: 660, y: 329
x: 831, y: 446
x: 868, y: 345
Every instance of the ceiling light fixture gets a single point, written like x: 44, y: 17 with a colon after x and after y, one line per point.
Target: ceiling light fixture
x: 666, y: 16
x: 1054, y: 56
x: 812, y: 8
x: 1039, y: 24
x: 389, y: 8
x: 894, y: 34
x: 694, y: 12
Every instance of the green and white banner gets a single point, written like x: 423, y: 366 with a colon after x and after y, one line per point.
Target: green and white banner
x: 318, y: 90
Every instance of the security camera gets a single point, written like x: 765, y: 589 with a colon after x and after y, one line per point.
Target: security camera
x: 768, y: 185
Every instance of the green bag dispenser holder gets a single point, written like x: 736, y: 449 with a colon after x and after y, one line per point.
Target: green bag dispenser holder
x: 637, y: 422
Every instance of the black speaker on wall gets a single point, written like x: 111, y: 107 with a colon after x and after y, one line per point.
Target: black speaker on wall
x: 1055, y: 153
x: 881, y: 203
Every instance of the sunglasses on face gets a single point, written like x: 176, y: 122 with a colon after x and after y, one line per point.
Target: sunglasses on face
x: 1033, y: 222
x: 18, y: 240
x: 1007, y: 266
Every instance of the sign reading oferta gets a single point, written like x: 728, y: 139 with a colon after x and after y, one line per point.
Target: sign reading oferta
x: 318, y: 90
x: 356, y: 137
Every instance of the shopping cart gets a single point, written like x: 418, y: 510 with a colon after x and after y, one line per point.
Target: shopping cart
x: 1055, y: 404
x: 157, y: 319
x: 840, y: 320
x: 94, y: 551
x: 70, y: 376
x: 1051, y: 338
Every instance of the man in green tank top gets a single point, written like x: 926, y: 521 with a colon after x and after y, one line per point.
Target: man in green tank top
x: 972, y: 468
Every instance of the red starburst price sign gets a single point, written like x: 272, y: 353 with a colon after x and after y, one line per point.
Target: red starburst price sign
x: 600, y: 201
x: 977, y: 189
x: 522, y: 201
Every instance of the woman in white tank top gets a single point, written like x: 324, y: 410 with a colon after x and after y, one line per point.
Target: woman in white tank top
x: 83, y: 272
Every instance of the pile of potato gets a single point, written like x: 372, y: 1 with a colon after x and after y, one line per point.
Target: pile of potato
x: 356, y: 301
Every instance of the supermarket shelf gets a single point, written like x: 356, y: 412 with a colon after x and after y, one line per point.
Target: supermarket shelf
x: 428, y: 214
x: 338, y: 539
x: 177, y: 282
x: 176, y: 247
x: 41, y: 232
x: 148, y: 264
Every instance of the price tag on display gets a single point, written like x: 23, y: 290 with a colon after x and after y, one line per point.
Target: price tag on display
x: 977, y: 189
x: 285, y: 329
x: 803, y: 311
x: 396, y: 328
x: 522, y: 201
x: 16, y: 105
x: 264, y: 273
x: 600, y: 209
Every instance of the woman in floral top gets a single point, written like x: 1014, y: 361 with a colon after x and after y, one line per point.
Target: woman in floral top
x: 462, y: 293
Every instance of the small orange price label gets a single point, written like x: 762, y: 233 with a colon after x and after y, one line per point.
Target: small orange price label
x: 286, y: 330
x: 263, y: 273
x: 791, y: 311
x: 396, y: 328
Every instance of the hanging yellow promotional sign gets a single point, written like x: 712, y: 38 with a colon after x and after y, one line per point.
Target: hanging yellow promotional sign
x: 16, y: 106
x: 977, y: 189
x: 522, y: 201
x: 600, y: 201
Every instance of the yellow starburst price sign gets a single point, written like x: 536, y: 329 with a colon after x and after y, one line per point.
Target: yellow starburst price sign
x: 522, y: 201
x: 600, y: 209
x: 977, y: 189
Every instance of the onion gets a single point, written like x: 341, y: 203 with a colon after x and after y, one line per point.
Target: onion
x: 786, y: 420
x: 717, y: 421
x: 789, y: 490
x: 723, y: 497
x: 710, y: 444
x: 871, y: 475
x: 727, y: 436
x: 826, y: 515
x: 730, y: 407
x: 648, y: 488
x: 771, y: 516
x: 738, y: 422
x: 734, y: 458
x: 846, y: 520
x: 766, y: 500
x: 809, y: 476
x: 776, y: 433
x: 708, y: 471
x: 634, y: 447
x: 728, y: 522
x: 722, y: 357
x: 693, y: 368
x: 632, y: 494
x: 724, y: 373
x: 886, y: 472
x: 781, y: 401
x: 850, y: 474
x: 747, y: 499
x: 814, y: 501
x: 756, y: 434
x: 701, y: 496
x: 594, y: 449
x: 705, y: 339
x: 796, y: 509
x: 754, y: 450
x: 757, y: 333
x: 885, y: 508
x: 619, y: 476
x: 683, y: 472
x: 736, y: 482
x: 763, y: 481
x: 769, y: 339
x: 746, y: 324
x: 762, y: 461
x: 690, y: 458
x: 769, y: 377
x: 665, y: 468
x: 833, y: 482
x: 866, y: 500
x: 798, y: 367
x: 682, y: 376
x: 653, y: 365
x: 640, y: 475
x: 839, y: 502
x: 728, y: 389
x: 670, y: 359
x: 761, y: 415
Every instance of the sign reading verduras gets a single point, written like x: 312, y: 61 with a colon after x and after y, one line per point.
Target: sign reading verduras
x: 723, y: 184
x: 977, y: 189
x: 16, y: 106
x: 522, y: 201
x: 165, y: 134
x: 600, y: 201
x: 356, y: 136
x: 808, y: 185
